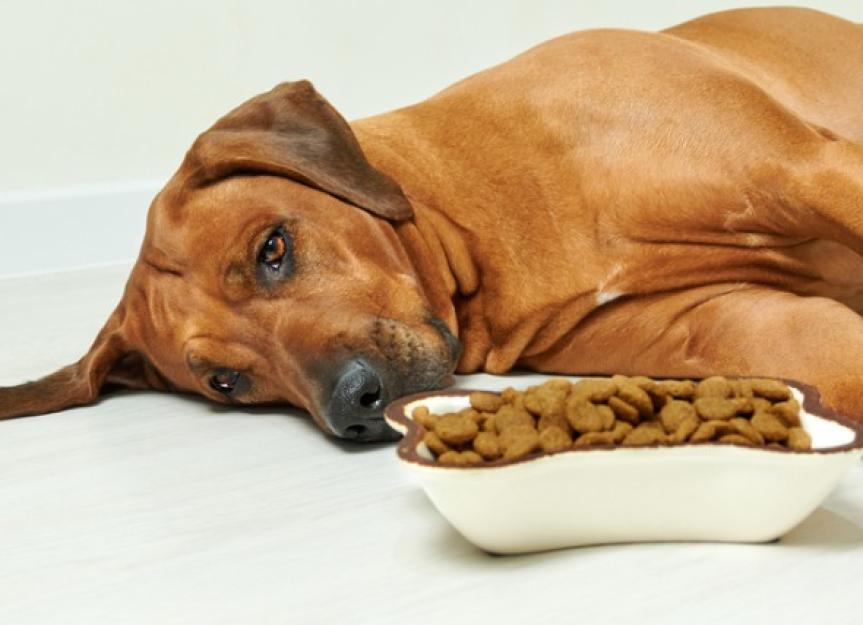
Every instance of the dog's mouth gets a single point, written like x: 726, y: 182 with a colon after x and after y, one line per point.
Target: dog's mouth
x: 453, y: 344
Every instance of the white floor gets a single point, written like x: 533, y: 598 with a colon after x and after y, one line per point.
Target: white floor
x: 155, y: 509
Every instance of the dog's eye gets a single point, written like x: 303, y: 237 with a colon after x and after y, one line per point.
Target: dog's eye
x: 275, y: 250
x: 225, y: 381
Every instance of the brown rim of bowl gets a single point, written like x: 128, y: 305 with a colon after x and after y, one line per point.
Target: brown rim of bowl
x: 811, y: 403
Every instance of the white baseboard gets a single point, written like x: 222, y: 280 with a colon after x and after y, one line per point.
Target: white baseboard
x: 69, y: 228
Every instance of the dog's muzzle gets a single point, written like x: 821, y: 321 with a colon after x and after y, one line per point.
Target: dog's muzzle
x: 362, y: 387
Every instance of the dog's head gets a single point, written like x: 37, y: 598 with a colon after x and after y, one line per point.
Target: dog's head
x: 270, y: 273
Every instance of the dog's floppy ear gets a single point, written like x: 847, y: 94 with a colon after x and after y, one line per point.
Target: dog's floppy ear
x: 293, y: 131
x: 108, y: 361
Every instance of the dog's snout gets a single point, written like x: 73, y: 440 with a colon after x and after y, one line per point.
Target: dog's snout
x: 356, y: 405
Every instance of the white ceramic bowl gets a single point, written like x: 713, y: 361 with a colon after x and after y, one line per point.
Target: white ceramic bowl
x: 704, y: 492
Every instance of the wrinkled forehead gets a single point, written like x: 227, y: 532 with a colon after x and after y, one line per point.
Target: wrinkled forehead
x: 183, y: 224
x: 202, y: 232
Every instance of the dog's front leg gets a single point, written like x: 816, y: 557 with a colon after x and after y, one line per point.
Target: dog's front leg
x: 737, y: 329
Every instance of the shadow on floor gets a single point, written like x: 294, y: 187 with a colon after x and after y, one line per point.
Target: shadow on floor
x: 825, y: 529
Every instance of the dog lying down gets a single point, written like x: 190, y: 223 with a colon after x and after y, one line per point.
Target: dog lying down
x: 674, y: 204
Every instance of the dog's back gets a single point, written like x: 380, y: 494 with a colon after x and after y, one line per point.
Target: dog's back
x: 810, y: 61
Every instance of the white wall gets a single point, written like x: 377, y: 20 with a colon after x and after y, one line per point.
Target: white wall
x: 100, y: 97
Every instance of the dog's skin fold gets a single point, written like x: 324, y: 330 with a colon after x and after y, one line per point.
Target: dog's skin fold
x: 682, y: 203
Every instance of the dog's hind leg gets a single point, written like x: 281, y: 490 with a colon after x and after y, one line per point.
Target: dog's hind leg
x: 731, y: 329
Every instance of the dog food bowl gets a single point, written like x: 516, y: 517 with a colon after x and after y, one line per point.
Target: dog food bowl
x: 704, y: 492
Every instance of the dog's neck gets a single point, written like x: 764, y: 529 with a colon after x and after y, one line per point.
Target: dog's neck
x: 464, y: 230
x: 436, y: 244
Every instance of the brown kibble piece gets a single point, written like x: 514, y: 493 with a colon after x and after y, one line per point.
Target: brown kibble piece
x: 624, y: 411
x: 512, y: 416
x: 635, y: 396
x: 435, y: 444
x: 515, y: 399
x: 450, y: 457
x: 788, y: 412
x: 710, y: 430
x: 534, y: 403
x: 714, y: 386
x: 594, y: 438
x: 485, y: 402
x: 704, y: 433
x: 509, y: 395
x: 621, y: 429
x: 682, y: 389
x: 584, y: 416
x: 460, y: 458
x: 648, y: 433
x: 735, y: 438
x: 553, y: 421
x: 555, y: 405
x: 771, y: 389
x: 770, y: 427
x: 674, y: 413
x: 472, y: 414
x: 745, y: 428
x: 455, y: 429
x: 712, y: 407
x: 557, y: 385
x: 545, y: 401
x: 471, y: 457
x: 659, y: 398
x: 553, y: 439
x: 798, y: 438
x: 760, y: 404
x: 489, y: 424
x: 685, y: 429
x: 518, y: 402
x: 594, y: 389
x: 745, y: 405
x: 421, y: 415
x: 741, y: 388
x: 519, y: 441
x: 513, y: 433
x: 487, y: 445
x: 607, y: 415
x: 643, y: 382
x: 483, y: 420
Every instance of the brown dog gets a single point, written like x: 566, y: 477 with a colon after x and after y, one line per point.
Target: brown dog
x: 681, y: 203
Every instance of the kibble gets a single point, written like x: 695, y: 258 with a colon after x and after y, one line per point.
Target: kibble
x: 601, y: 412
x: 487, y: 445
x: 455, y: 429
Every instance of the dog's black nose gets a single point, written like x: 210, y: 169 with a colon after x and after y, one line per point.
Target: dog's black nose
x: 356, y: 405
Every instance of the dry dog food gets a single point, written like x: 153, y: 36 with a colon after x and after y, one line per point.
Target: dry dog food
x: 629, y: 411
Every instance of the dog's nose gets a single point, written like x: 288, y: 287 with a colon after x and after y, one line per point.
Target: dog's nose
x: 357, y: 403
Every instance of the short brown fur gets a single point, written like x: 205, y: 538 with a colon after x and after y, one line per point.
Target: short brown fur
x: 681, y: 203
